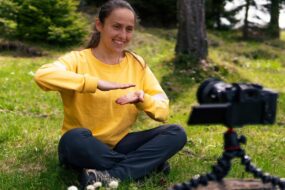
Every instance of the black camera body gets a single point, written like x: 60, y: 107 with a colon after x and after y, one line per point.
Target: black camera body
x: 233, y: 105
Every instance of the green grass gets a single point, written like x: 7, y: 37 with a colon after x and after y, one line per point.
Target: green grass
x: 30, y: 119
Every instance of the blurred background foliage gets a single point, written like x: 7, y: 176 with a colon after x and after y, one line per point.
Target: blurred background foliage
x: 64, y: 21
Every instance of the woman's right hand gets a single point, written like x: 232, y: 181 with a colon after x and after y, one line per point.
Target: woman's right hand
x: 106, y: 85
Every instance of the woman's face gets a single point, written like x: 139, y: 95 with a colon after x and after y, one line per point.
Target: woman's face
x: 117, y: 30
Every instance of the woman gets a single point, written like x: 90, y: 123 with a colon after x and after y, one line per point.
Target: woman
x: 103, y: 87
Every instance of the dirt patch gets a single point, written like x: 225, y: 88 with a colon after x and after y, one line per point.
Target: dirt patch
x: 20, y: 49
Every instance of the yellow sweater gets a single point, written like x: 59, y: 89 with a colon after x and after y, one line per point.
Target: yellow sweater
x: 75, y: 76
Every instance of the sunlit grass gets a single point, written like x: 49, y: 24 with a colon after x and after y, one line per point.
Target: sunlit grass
x: 282, y: 35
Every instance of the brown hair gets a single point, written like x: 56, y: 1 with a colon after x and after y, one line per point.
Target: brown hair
x: 105, y: 10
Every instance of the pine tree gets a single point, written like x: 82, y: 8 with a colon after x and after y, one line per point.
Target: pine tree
x: 215, y: 12
x: 52, y: 21
x: 8, y: 15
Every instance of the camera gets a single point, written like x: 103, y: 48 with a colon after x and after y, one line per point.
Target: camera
x: 233, y: 105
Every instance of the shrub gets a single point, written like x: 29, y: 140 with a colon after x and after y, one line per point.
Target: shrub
x: 52, y: 21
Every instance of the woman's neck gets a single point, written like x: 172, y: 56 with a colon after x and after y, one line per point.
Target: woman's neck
x: 107, y: 57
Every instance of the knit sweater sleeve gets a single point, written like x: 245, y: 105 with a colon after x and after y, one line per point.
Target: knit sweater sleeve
x: 62, y: 75
x: 156, y: 103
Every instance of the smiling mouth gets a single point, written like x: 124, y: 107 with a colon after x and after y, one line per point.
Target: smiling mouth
x: 120, y: 43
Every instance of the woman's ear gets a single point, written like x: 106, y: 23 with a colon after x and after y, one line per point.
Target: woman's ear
x: 98, y: 25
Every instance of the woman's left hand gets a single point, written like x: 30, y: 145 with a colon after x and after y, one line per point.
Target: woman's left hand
x: 131, y: 98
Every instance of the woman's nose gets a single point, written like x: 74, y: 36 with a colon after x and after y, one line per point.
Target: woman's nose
x: 123, y: 34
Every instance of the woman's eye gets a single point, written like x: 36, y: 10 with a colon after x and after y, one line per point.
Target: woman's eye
x: 116, y: 27
x: 130, y: 29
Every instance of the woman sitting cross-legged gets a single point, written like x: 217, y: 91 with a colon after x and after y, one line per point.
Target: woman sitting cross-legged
x: 103, y: 87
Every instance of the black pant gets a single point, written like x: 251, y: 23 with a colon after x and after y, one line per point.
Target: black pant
x: 134, y: 156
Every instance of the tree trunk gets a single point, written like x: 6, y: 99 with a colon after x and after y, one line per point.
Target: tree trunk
x: 219, y: 10
x: 192, y: 37
x: 273, y: 28
x: 246, y: 25
x: 82, y: 4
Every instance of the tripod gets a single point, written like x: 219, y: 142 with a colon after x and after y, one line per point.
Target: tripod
x: 232, y: 150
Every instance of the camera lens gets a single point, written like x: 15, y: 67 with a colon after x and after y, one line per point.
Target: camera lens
x: 214, y: 90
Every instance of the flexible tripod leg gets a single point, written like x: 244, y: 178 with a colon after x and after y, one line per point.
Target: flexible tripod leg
x: 219, y: 171
x: 232, y: 150
x: 258, y: 173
